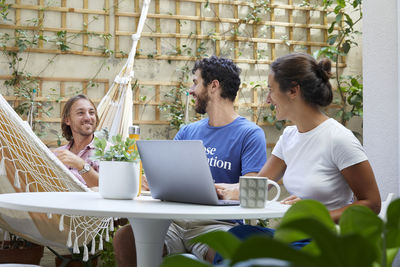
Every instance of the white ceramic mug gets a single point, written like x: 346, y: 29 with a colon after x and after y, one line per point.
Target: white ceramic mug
x: 254, y: 191
x: 118, y: 179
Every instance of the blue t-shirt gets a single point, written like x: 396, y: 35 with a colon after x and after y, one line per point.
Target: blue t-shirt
x: 232, y: 150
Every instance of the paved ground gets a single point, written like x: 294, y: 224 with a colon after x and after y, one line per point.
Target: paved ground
x: 48, y: 259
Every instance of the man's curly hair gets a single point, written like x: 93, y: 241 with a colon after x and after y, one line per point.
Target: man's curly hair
x: 222, y: 70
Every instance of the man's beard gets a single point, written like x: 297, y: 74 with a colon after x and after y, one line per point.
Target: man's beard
x: 202, y: 101
x: 84, y: 132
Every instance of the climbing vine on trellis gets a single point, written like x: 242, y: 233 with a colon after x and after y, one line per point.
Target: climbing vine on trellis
x: 252, y: 33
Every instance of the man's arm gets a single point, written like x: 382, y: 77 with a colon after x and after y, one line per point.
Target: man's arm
x: 230, y: 191
x: 70, y: 159
x: 254, y: 152
x: 91, y: 177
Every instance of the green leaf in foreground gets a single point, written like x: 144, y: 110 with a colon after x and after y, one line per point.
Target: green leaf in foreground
x: 225, y: 243
x: 182, y: 261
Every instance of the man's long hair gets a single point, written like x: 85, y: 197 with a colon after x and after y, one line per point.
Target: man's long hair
x: 66, y: 129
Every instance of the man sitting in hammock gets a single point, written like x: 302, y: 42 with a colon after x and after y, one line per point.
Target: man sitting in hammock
x: 79, y: 122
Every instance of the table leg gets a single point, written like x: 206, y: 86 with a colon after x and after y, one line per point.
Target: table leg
x: 149, y: 240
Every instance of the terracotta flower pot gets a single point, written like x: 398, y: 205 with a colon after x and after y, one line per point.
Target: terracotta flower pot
x: 30, y: 254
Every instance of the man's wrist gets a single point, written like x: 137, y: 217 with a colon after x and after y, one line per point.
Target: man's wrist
x: 86, y: 168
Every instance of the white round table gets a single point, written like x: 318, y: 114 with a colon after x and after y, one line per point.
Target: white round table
x: 149, y: 218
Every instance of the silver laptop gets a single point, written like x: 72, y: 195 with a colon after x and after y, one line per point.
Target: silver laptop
x: 179, y: 171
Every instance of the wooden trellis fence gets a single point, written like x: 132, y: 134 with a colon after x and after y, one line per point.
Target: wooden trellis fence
x: 293, y: 24
x: 177, y: 32
x: 65, y: 16
x: 219, y: 25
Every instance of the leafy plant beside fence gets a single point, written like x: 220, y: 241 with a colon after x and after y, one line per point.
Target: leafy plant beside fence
x: 348, y: 14
x: 24, y: 86
x: 360, y: 239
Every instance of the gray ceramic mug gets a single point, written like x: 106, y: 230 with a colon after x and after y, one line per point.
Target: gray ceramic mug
x: 254, y: 191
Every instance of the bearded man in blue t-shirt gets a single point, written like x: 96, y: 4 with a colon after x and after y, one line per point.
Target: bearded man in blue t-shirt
x: 234, y: 147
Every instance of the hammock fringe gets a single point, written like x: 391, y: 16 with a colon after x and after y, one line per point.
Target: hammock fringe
x: 3, y: 171
x: 16, y: 180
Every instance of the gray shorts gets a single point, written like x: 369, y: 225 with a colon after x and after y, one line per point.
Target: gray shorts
x: 181, y: 232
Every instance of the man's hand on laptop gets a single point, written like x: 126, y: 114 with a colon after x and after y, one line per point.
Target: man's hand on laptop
x: 227, y: 191
x: 145, y: 185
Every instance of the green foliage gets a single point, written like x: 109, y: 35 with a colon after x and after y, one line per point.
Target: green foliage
x: 57, y: 135
x: 67, y: 260
x: 307, y: 210
x: 107, y: 254
x: 61, y: 41
x: 360, y: 239
x: 271, y: 118
x: 258, y: 9
x: 222, y: 237
x: 25, y: 85
x: 193, y: 48
x: 182, y: 261
x: 352, y: 87
x: 176, y: 106
x: 119, y: 151
x: 4, y: 7
x: 341, y: 39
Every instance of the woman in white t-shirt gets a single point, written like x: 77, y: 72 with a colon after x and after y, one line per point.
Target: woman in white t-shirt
x: 318, y: 157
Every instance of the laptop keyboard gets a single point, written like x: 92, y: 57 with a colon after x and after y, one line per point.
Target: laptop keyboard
x: 228, y: 202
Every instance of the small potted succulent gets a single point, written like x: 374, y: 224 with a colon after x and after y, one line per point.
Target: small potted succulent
x: 119, y: 176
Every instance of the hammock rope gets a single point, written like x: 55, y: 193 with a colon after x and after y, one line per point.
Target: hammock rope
x: 26, y: 164
x: 116, y: 107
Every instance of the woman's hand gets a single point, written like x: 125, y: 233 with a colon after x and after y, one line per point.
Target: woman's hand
x: 290, y: 200
x: 227, y: 191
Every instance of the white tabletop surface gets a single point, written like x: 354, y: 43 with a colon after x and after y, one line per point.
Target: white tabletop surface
x: 92, y: 204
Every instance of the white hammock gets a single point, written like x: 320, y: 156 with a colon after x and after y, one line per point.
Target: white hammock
x: 27, y: 165
x: 115, y: 109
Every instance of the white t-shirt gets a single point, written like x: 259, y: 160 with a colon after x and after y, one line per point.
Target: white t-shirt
x: 314, y: 160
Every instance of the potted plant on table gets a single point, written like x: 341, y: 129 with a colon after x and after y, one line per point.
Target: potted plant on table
x: 119, y: 174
